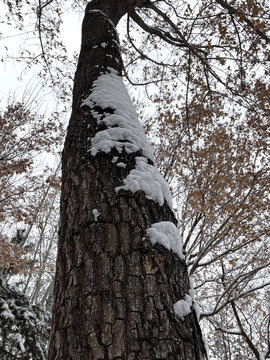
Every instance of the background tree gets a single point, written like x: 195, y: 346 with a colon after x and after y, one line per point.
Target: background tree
x: 24, y: 327
x: 225, y: 226
x: 27, y: 273
x: 27, y: 193
x: 24, y: 136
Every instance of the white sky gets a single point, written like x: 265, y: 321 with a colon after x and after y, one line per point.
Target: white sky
x: 13, y: 77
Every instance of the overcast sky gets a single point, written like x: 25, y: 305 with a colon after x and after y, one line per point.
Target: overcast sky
x: 13, y: 77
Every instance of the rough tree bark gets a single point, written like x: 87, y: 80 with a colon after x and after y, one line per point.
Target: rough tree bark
x: 114, y: 291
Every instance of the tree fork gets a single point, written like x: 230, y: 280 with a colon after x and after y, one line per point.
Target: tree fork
x: 114, y: 291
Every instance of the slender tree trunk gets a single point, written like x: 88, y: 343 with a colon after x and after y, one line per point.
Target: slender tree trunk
x: 114, y: 291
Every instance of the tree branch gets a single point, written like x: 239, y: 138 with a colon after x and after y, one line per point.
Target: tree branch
x: 243, y: 333
x: 166, y: 36
x: 232, y: 11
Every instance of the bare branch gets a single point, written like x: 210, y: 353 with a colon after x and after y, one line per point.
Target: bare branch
x: 233, y: 11
x: 46, y: 4
x: 243, y: 332
x: 236, y: 296
x: 166, y: 36
x: 44, y: 56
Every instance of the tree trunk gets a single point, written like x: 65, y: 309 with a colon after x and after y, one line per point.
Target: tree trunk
x: 114, y: 291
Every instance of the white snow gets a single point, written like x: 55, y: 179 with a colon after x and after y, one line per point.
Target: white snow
x: 189, y: 300
x: 183, y: 307
x: 19, y: 339
x: 95, y: 11
x: 192, y: 294
x: 166, y: 234
x: 96, y: 214
x: 124, y: 132
x: 121, y: 164
x: 124, y: 129
x: 7, y: 314
x: 96, y: 115
x: 147, y: 178
x: 28, y: 314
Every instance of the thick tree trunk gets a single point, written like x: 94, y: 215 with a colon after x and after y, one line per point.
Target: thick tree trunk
x: 114, y: 291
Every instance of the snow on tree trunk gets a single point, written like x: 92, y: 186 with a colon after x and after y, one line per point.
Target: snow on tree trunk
x: 118, y: 277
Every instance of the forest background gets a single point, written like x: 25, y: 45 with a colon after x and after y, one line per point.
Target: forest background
x: 205, y: 109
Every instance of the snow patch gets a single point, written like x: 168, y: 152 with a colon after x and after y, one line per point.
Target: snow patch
x: 124, y: 129
x: 198, y: 313
x: 96, y: 115
x: 19, y: 339
x: 147, y: 178
x: 166, y: 234
x: 183, y: 307
x: 96, y: 214
x: 124, y: 132
x: 121, y: 165
x: 7, y: 314
x: 28, y: 314
x: 96, y: 11
x: 192, y: 294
